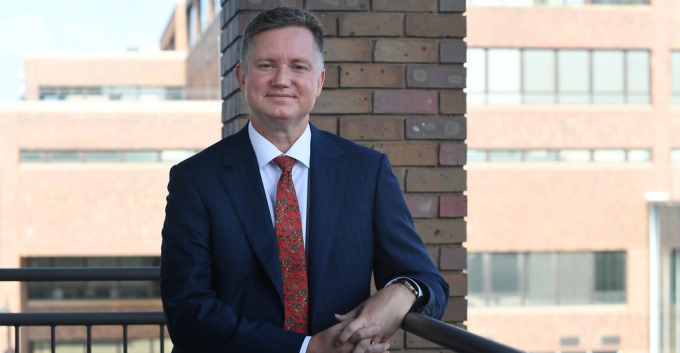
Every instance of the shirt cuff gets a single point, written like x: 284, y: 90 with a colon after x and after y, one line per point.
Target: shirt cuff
x: 420, y: 291
x: 305, y: 344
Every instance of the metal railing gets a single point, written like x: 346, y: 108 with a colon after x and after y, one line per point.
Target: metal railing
x: 446, y: 335
x: 87, y: 319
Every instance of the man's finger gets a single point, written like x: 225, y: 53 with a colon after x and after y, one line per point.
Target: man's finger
x: 370, y: 346
x: 347, y: 332
x: 364, y: 333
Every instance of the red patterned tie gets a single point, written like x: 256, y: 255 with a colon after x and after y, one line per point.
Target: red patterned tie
x: 291, y: 250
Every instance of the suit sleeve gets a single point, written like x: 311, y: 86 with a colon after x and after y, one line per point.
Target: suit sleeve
x: 399, y: 251
x: 197, y: 320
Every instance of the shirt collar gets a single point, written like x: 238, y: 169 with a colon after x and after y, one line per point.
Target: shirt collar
x: 265, y: 151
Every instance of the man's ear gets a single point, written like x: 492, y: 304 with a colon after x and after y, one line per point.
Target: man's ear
x: 241, y: 76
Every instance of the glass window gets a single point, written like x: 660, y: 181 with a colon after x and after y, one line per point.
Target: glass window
x: 504, y: 76
x: 205, y: 12
x: 175, y: 155
x: 476, y: 279
x: 675, y: 76
x: 637, y: 74
x: 574, y: 155
x: 541, y: 286
x: 608, y: 74
x: 505, y: 279
x: 141, y: 156
x: 575, y: 271
x: 675, y: 155
x: 31, y: 156
x: 102, y: 156
x: 193, y: 31
x: 101, y: 289
x: 609, y: 155
x: 92, y: 289
x: 65, y: 156
x: 573, y: 74
x: 639, y: 155
x: 217, y: 5
x: 476, y: 76
x: 540, y: 155
x: 505, y: 156
x: 476, y: 155
x: 610, y: 277
x: 538, y: 69
x: 151, y: 93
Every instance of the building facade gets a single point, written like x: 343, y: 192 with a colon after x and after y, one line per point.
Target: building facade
x: 84, y: 160
x: 84, y: 163
x: 573, y: 130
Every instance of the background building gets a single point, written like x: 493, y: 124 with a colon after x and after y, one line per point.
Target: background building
x: 84, y: 160
x: 572, y: 124
x: 84, y: 164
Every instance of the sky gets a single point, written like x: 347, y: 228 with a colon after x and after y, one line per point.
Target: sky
x: 45, y: 26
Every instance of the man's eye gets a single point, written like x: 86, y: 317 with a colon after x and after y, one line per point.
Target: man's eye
x: 300, y: 67
x: 265, y: 66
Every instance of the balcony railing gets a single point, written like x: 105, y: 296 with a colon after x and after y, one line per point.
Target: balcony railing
x: 446, y: 335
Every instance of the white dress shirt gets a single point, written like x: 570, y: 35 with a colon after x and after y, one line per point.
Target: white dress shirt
x: 270, y: 173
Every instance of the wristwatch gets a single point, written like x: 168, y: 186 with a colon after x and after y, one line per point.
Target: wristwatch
x: 410, y: 285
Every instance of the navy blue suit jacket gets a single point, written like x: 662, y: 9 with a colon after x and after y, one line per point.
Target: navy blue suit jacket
x: 220, y: 277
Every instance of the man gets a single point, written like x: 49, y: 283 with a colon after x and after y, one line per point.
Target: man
x: 259, y: 257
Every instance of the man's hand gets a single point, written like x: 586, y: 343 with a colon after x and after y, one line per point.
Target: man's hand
x: 385, y: 309
x: 359, y: 340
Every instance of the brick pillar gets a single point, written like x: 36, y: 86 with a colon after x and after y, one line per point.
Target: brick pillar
x: 394, y: 80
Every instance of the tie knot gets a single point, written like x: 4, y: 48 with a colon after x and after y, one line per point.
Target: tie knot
x: 285, y: 163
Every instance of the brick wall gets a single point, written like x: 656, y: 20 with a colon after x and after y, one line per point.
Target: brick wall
x: 394, y: 80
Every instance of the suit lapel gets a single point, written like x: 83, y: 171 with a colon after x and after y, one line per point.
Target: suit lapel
x: 327, y: 178
x: 243, y: 183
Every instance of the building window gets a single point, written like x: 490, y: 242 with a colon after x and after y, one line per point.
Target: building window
x: 135, y: 156
x: 524, y: 3
x: 126, y: 93
x: 546, y: 278
x: 204, y: 7
x: 675, y: 155
x: 512, y: 76
x: 569, y: 155
x: 192, y: 22
x: 675, y: 76
x: 78, y: 290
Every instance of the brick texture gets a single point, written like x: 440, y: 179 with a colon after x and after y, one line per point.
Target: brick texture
x: 334, y: 5
x: 371, y: 129
x: 406, y: 51
x: 428, y: 76
x: 394, y: 83
x: 405, y: 102
x: 435, y: 25
x: 372, y: 75
x: 405, y: 5
x: 436, y: 127
x: 410, y: 154
x: 452, y: 154
x: 441, y: 231
x: 452, y: 205
x: 371, y: 24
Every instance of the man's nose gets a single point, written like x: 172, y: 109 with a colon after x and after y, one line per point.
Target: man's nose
x: 282, y: 76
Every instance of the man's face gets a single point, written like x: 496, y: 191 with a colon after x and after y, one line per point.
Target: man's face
x: 282, y: 81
